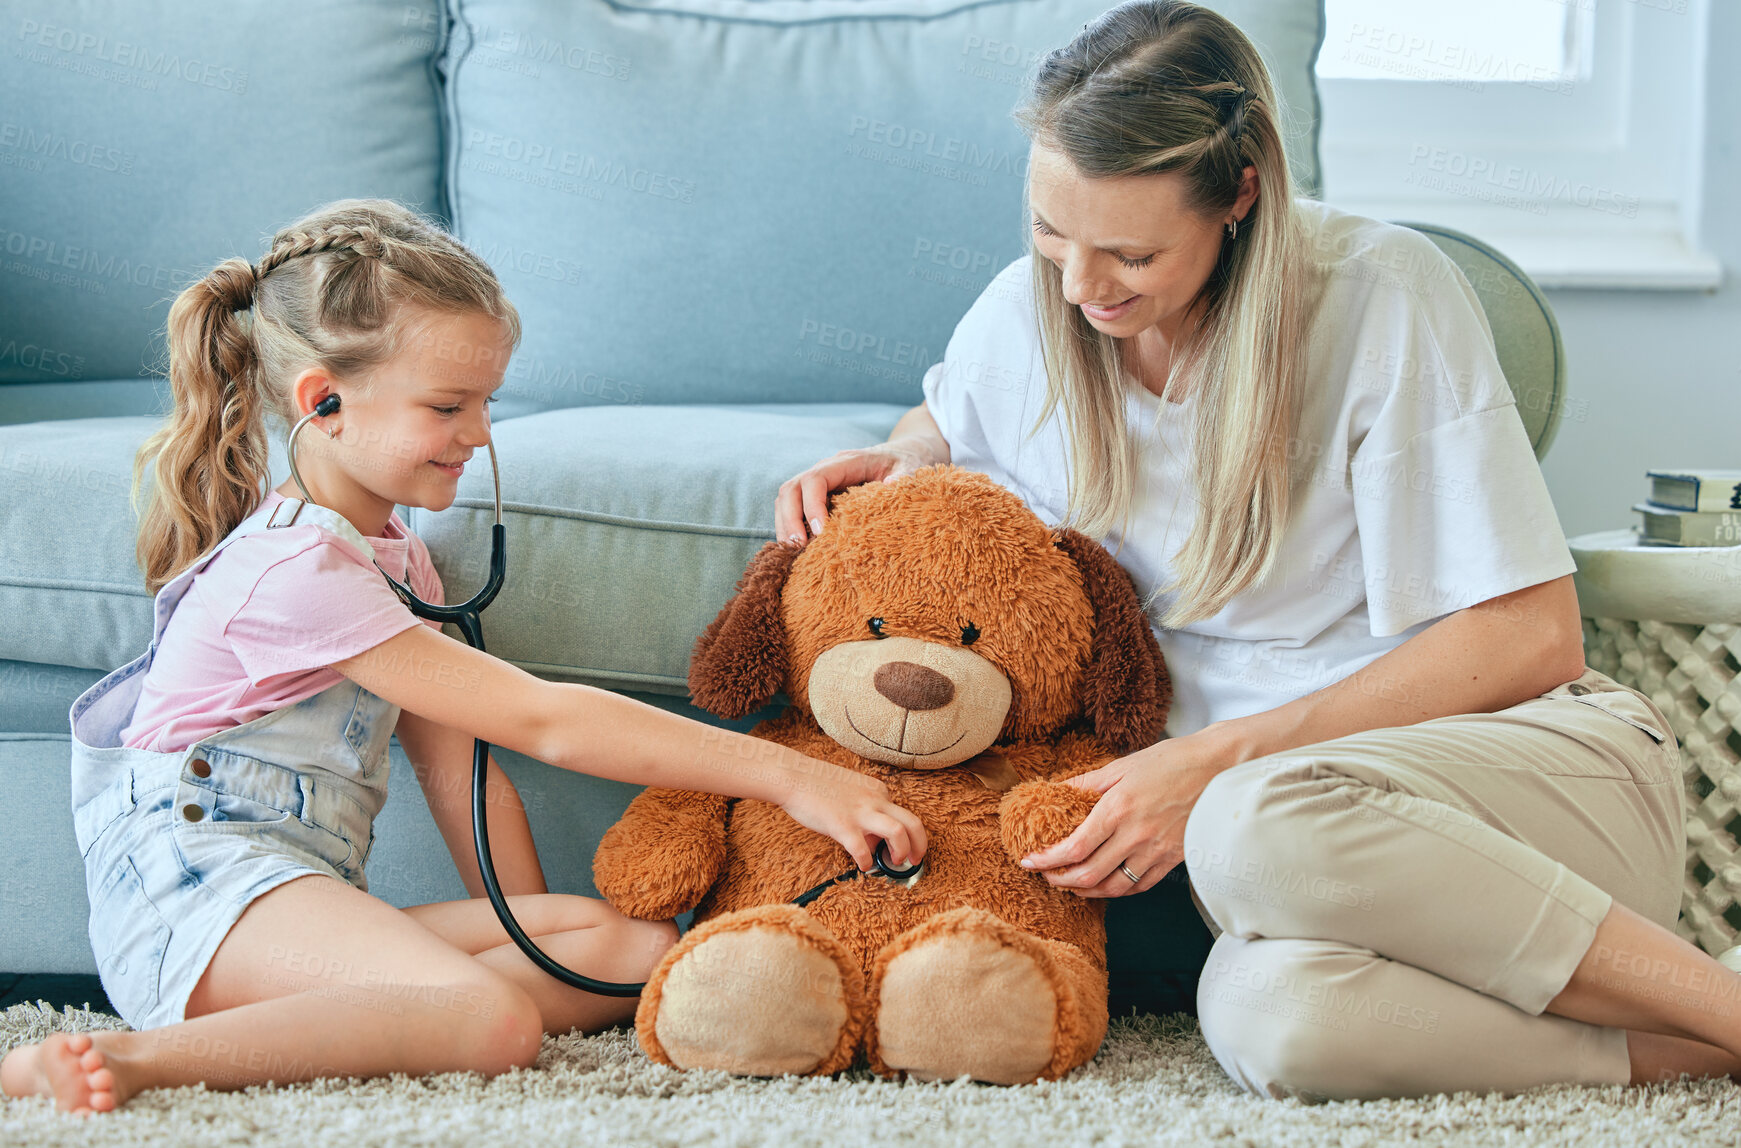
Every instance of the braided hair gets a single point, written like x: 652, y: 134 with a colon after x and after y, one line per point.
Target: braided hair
x: 331, y: 291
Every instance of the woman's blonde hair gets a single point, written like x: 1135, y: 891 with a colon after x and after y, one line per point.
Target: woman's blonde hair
x: 329, y: 293
x: 1156, y: 86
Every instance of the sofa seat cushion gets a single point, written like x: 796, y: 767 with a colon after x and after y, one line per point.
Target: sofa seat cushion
x: 627, y: 528
x: 68, y: 576
x: 762, y: 201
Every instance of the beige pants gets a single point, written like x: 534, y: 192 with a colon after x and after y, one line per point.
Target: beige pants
x: 1394, y: 909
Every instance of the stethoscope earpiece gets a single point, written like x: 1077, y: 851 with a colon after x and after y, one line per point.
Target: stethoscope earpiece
x: 327, y: 406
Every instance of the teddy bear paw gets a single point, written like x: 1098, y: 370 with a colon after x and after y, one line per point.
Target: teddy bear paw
x: 1038, y: 814
x: 967, y: 994
x: 759, y: 992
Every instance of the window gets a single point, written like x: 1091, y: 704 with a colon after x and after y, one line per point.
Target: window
x: 1472, y: 41
x: 1567, y: 133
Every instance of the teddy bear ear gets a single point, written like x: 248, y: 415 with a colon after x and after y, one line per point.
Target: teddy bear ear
x: 1126, y: 690
x: 739, y: 662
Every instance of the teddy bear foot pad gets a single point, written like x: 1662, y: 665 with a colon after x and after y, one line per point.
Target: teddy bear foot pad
x: 759, y: 992
x: 967, y: 994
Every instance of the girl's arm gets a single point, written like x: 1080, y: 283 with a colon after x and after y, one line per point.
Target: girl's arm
x: 590, y: 730
x: 442, y: 757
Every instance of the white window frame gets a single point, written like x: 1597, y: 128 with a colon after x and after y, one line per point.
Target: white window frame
x: 1588, y: 184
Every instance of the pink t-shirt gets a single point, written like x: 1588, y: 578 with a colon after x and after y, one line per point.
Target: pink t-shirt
x: 260, y: 625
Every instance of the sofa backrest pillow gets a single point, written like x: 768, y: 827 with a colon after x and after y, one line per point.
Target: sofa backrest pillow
x: 141, y: 143
x: 748, y: 201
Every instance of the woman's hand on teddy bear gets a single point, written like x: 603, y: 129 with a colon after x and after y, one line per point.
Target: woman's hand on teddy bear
x: 1139, y: 820
x: 803, y: 498
x: 855, y: 810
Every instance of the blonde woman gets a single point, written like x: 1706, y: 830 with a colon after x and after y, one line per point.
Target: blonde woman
x: 1438, y: 851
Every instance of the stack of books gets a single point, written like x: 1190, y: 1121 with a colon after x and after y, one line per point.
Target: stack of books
x: 1691, y: 508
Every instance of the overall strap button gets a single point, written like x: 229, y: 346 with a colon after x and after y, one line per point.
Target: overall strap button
x: 1577, y: 690
x: 199, y: 768
x: 192, y: 812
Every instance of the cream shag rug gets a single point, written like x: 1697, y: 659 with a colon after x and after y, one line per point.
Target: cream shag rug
x: 1154, y: 1082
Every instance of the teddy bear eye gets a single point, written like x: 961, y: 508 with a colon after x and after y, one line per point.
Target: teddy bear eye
x: 969, y: 634
x: 876, y: 627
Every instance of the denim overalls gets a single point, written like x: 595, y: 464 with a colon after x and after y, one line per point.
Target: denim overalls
x: 176, y: 845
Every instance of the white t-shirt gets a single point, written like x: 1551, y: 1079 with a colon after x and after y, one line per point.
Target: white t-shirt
x: 1424, y: 495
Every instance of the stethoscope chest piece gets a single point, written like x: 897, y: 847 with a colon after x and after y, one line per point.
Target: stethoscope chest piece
x: 906, y: 878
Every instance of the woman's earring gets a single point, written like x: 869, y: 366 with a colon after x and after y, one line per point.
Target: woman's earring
x: 330, y: 432
x: 1232, y: 228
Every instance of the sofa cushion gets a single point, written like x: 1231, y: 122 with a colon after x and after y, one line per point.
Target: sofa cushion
x: 627, y: 528
x: 68, y: 577
x: 35, y: 698
x: 85, y: 399
x: 761, y: 200
x: 143, y: 143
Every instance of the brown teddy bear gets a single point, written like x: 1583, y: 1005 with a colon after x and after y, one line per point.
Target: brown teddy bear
x: 938, y: 636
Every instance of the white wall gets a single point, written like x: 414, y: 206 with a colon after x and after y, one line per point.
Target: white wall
x: 1660, y: 371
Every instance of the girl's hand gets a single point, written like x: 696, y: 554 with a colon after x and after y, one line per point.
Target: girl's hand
x: 804, y: 498
x: 1140, y: 820
x: 856, y: 811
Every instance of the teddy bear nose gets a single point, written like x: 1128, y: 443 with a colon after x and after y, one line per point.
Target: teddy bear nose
x: 914, y: 687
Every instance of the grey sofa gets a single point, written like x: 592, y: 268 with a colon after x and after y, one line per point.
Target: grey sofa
x: 738, y: 231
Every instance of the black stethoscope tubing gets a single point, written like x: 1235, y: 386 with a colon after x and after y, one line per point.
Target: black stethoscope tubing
x: 467, y: 616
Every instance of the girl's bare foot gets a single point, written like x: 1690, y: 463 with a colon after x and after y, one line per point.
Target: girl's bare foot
x: 69, y: 1067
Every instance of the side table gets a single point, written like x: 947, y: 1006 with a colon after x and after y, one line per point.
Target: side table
x: 1666, y: 620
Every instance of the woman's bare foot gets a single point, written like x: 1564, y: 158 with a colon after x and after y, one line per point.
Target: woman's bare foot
x: 69, y: 1067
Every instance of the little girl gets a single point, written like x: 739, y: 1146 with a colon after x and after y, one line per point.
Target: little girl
x: 225, y: 782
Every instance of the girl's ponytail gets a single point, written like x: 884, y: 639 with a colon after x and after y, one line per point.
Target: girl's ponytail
x: 211, y: 457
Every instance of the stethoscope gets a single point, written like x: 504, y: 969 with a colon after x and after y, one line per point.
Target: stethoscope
x: 466, y: 617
